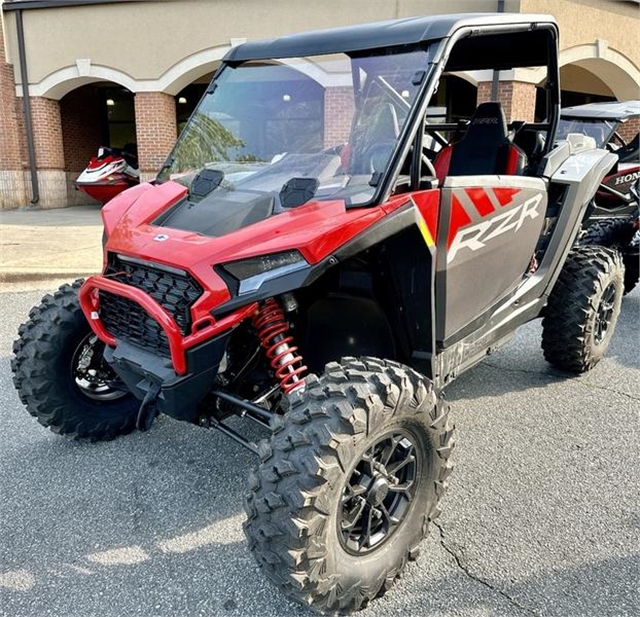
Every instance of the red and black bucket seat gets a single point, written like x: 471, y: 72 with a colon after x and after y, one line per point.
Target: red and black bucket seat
x: 485, y: 149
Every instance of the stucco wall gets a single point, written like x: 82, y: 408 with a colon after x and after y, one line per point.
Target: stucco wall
x: 146, y: 39
x: 584, y: 21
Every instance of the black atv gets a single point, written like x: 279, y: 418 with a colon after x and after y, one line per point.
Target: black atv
x: 307, y: 261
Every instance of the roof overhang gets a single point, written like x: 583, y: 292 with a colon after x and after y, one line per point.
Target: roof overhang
x: 603, y: 111
x: 21, y: 5
x: 384, y: 34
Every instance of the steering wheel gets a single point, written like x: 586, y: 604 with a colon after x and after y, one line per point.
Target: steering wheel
x: 426, y: 161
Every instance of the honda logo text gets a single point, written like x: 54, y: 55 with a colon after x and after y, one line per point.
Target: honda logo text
x: 627, y: 178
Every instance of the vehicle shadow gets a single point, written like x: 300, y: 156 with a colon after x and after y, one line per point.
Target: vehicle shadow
x: 520, y: 365
x: 625, y: 345
x: 150, y: 524
x: 220, y: 578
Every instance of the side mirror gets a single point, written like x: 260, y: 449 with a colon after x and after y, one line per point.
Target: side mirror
x: 298, y: 191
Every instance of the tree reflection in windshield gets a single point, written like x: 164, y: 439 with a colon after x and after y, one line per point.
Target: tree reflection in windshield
x: 206, y: 141
x: 350, y: 112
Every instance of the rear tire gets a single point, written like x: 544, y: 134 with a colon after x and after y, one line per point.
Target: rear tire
x: 349, y: 482
x: 61, y: 377
x: 621, y: 235
x: 583, y: 309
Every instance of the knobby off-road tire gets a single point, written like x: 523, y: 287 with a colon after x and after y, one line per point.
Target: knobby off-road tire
x: 303, y: 525
x: 621, y: 235
x: 583, y: 308
x: 51, y: 348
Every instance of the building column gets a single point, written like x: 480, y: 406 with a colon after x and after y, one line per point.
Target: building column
x: 47, y: 140
x: 13, y: 189
x: 629, y: 129
x: 518, y: 98
x: 338, y: 112
x: 156, y: 130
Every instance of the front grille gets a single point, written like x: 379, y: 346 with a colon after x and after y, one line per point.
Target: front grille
x: 174, y: 290
x: 127, y: 320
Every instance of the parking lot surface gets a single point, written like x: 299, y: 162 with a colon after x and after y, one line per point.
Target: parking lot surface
x: 542, y: 517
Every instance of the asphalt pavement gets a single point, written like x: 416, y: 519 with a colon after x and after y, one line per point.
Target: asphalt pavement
x: 542, y: 517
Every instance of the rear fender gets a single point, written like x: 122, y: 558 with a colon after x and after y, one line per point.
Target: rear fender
x: 580, y: 175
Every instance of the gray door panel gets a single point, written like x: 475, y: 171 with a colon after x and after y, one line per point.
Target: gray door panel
x: 487, y: 237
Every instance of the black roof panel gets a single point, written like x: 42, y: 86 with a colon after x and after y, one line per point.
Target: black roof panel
x: 408, y: 31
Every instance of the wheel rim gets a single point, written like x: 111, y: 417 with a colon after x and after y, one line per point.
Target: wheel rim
x: 378, y: 495
x: 91, y: 373
x: 604, y: 314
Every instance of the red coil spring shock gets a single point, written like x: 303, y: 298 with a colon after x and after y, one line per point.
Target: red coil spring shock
x: 273, y: 331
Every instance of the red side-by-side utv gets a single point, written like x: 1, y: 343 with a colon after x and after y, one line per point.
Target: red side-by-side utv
x: 320, y: 258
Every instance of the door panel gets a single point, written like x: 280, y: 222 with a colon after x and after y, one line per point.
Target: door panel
x: 488, y: 231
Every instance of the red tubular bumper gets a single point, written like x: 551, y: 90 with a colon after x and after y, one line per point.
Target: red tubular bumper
x: 90, y: 303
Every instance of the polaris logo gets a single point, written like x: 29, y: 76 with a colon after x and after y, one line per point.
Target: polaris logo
x: 477, y: 236
x: 627, y: 178
x: 489, y: 120
x: 161, y: 237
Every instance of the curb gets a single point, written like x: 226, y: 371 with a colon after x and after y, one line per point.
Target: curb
x: 26, y: 277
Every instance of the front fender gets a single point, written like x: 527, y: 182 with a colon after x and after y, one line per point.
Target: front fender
x: 116, y: 208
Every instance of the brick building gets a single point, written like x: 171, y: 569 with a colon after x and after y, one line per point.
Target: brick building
x: 111, y: 72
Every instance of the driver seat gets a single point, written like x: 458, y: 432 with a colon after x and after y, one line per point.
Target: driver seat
x: 484, y: 149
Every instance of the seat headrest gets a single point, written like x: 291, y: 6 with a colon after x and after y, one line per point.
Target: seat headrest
x: 530, y: 141
x: 489, y: 118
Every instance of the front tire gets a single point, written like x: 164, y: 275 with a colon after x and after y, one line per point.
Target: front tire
x: 349, y: 482
x: 61, y: 377
x: 583, y: 309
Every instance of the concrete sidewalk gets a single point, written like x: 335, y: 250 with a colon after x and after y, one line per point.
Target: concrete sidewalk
x: 45, y: 247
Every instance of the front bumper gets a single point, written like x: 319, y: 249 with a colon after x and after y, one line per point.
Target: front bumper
x: 178, y: 395
x: 188, y: 375
x: 178, y: 345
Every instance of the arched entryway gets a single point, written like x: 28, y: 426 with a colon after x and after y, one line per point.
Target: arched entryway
x: 580, y: 86
x: 595, y: 71
x: 94, y: 115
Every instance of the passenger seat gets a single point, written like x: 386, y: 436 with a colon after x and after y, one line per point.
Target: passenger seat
x: 484, y: 149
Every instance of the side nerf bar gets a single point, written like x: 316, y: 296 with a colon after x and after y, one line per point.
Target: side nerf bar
x: 90, y: 304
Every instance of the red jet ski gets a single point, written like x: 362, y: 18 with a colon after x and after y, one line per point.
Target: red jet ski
x: 108, y: 174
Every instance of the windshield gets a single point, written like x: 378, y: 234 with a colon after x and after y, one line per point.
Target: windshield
x: 600, y: 130
x: 331, y: 120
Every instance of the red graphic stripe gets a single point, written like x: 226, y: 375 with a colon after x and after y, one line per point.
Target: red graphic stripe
x: 459, y: 218
x: 505, y: 195
x: 481, y: 201
x: 428, y: 203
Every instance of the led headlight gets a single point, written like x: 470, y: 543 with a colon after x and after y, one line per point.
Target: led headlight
x: 253, y: 272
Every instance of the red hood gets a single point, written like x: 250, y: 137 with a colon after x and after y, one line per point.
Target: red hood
x: 316, y: 229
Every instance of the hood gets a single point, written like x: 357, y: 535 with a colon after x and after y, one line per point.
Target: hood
x: 138, y: 225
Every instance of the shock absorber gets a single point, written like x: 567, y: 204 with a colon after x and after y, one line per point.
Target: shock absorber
x: 275, y: 337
